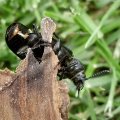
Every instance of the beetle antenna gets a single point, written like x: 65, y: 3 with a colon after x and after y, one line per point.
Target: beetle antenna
x: 55, y: 35
x: 35, y: 29
x: 98, y: 74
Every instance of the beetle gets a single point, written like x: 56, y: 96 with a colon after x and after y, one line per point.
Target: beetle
x: 71, y: 67
x: 19, y: 38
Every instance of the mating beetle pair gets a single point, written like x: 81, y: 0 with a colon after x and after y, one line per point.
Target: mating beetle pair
x: 19, y: 38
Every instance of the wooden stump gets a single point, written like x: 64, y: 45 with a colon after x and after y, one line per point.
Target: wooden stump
x: 33, y: 92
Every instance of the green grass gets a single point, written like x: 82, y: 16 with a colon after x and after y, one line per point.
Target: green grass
x: 91, y: 28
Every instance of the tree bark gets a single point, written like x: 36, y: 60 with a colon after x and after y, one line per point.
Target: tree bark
x: 33, y: 92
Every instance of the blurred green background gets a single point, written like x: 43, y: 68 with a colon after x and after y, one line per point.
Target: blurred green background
x: 91, y: 29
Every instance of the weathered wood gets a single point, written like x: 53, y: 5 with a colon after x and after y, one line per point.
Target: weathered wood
x: 33, y: 92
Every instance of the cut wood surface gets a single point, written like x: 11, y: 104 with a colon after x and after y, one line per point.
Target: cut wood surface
x: 33, y: 92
